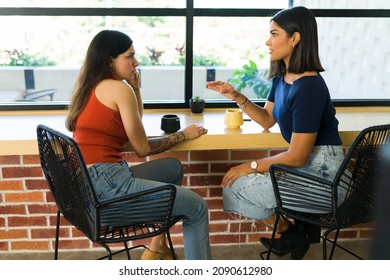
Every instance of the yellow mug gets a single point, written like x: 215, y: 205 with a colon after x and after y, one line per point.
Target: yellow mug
x: 234, y: 118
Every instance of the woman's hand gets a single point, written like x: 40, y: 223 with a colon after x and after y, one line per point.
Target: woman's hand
x: 234, y: 173
x: 193, y: 131
x: 224, y: 88
x: 135, y: 80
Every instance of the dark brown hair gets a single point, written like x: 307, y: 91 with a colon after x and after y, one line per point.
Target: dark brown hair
x: 107, y: 44
x: 305, y: 55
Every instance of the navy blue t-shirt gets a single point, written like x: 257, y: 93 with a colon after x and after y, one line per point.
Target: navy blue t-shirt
x: 305, y: 107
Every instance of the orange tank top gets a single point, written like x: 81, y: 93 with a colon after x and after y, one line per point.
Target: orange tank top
x: 100, y: 133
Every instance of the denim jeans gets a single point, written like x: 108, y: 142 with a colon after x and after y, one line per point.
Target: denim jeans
x: 112, y: 180
x: 253, y: 196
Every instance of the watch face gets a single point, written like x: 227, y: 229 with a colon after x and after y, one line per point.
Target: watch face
x: 254, y: 164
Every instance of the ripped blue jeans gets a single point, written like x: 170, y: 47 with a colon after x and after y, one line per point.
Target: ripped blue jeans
x: 252, y: 195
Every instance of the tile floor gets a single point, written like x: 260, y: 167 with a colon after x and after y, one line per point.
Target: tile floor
x: 237, y: 252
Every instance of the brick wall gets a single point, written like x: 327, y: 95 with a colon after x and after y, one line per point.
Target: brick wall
x: 28, y: 213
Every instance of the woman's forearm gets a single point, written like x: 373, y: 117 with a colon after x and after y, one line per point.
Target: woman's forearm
x: 259, y: 115
x: 161, y: 144
x: 139, y: 101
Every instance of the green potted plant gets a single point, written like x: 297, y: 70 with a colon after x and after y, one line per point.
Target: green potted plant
x: 250, y: 77
x: 197, y: 104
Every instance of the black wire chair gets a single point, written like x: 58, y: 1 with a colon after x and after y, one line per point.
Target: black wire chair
x: 142, y: 215
x: 302, y: 197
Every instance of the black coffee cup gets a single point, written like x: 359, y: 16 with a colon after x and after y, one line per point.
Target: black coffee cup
x: 170, y: 123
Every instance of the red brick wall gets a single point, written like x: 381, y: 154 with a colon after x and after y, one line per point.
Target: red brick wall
x: 28, y: 213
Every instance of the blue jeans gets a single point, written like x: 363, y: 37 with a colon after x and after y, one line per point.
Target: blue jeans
x: 112, y: 180
x: 253, y: 196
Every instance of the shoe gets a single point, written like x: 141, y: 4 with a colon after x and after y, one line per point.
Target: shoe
x: 293, y: 240
x: 151, y: 255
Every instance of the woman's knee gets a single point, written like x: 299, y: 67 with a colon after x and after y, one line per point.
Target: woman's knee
x: 176, y: 167
x: 200, y: 203
x: 176, y: 162
x: 204, y: 208
x: 201, y: 217
x: 172, y: 162
x: 190, y: 204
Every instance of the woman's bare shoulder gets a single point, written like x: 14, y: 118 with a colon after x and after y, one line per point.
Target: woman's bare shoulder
x: 121, y: 88
x: 113, y: 92
x: 114, y: 84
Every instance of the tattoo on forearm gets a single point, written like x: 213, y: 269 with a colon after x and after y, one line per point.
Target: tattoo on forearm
x: 161, y: 144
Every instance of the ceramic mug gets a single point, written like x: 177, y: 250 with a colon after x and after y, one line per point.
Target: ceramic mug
x: 234, y: 118
x: 170, y: 123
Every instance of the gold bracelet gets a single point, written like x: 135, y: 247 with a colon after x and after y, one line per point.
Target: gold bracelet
x: 243, y: 105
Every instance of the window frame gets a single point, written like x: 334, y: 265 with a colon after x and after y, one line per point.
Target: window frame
x: 189, y: 13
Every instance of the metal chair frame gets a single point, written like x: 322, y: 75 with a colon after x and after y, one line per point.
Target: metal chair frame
x: 357, y: 177
x: 143, y: 215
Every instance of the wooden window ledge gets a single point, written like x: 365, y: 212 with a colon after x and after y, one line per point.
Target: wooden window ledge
x: 18, y: 136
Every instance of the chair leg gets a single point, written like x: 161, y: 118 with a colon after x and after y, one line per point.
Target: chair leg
x: 272, y: 239
x: 57, y: 235
x: 324, y: 239
x: 127, y: 250
x: 324, y: 244
x: 109, y: 253
x: 273, y: 235
x: 334, y: 244
x: 171, y: 245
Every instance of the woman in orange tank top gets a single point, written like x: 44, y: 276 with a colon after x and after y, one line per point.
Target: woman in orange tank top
x: 105, y: 113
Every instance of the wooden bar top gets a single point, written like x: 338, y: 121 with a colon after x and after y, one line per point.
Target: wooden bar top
x: 18, y: 136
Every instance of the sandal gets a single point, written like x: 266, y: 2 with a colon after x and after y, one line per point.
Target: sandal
x: 151, y: 255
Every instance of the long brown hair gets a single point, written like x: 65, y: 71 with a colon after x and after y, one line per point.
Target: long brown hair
x: 107, y: 44
x: 305, y: 55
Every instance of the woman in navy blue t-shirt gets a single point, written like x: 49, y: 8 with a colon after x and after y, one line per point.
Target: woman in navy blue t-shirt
x: 299, y: 102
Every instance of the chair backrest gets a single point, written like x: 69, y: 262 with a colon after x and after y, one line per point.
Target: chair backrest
x: 68, y: 180
x: 358, y: 176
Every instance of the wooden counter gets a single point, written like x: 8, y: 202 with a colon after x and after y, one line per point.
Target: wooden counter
x: 18, y: 136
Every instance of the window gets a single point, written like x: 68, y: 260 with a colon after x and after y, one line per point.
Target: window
x: 354, y: 50
x: 222, y: 45
x: 96, y: 3
x: 355, y: 57
x: 48, y: 40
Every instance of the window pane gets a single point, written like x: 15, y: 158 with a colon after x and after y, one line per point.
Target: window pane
x: 242, y: 4
x: 343, y: 4
x: 354, y: 51
x: 96, y: 3
x: 156, y: 41
x: 355, y: 54
x: 225, y: 45
x: 162, y: 74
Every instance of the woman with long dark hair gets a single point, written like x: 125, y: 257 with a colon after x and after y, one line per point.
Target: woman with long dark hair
x: 104, y: 114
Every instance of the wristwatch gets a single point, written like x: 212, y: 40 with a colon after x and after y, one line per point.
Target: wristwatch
x: 254, y: 165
